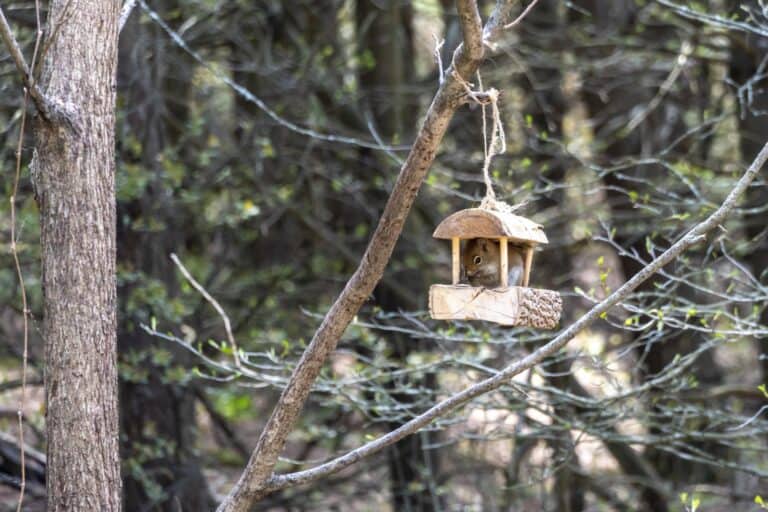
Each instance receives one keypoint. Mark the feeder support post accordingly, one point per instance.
(504, 263)
(527, 266)
(455, 259)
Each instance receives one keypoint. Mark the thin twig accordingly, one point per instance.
(685, 52)
(252, 98)
(20, 276)
(227, 324)
(6, 34)
(438, 58)
(11, 43)
(14, 384)
(13, 48)
(125, 13)
(522, 15)
(711, 19)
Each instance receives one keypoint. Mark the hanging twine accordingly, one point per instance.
(497, 144)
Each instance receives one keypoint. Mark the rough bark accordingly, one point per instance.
(73, 173)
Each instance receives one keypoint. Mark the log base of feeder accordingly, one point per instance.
(512, 306)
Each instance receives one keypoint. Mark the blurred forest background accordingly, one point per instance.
(627, 120)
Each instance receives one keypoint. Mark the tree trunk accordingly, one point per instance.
(74, 169)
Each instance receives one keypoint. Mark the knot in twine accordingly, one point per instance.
(497, 144)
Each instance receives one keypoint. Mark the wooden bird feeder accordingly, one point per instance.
(505, 305)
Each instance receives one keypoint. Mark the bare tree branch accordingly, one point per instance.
(693, 236)
(471, 28)
(450, 96)
(213, 302)
(32, 463)
(13, 47)
(14, 247)
(13, 384)
(21, 65)
(522, 14)
(125, 13)
(711, 19)
(252, 98)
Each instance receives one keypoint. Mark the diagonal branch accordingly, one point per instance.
(250, 97)
(695, 235)
(6, 34)
(252, 484)
(522, 15)
(471, 28)
(125, 13)
(716, 21)
(213, 302)
(13, 46)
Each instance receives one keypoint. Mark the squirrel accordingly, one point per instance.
(481, 263)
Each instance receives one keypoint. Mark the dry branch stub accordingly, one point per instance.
(505, 305)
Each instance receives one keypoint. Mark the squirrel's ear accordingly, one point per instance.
(484, 244)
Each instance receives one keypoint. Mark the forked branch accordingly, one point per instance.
(27, 78)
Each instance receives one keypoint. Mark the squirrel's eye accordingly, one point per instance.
(478, 260)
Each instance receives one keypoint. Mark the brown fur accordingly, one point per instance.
(481, 263)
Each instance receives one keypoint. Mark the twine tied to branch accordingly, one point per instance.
(497, 144)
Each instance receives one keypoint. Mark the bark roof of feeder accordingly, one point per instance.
(481, 223)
